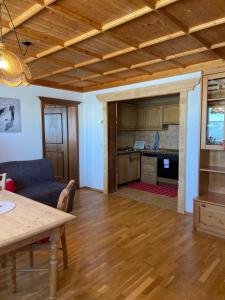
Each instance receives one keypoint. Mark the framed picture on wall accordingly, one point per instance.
(10, 115)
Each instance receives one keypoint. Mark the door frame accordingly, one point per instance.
(182, 88)
(73, 138)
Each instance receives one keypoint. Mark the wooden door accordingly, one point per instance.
(171, 114)
(153, 117)
(123, 168)
(134, 166)
(56, 140)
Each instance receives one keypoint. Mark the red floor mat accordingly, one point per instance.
(155, 189)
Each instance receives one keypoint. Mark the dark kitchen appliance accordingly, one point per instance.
(167, 165)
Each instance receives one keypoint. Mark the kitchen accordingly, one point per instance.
(148, 148)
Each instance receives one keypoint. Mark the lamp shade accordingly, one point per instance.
(13, 71)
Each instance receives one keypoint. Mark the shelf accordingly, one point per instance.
(213, 169)
(210, 197)
(216, 99)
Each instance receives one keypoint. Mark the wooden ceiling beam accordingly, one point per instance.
(129, 17)
(86, 78)
(39, 36)
(163, 3)
(105, 27)
(186, 30)
(115, 71)
(122, 39)
(84, 51)
(183, 31)
(118, 53)
(27, 14)
(146, 63)
(57, 86)
(161, 74)
(86, 63)
(70, 14)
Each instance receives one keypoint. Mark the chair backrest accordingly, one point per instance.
(3, 181)
(64, 196)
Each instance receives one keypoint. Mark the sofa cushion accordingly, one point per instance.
(25, 173)
(46, 193)
(10, 185)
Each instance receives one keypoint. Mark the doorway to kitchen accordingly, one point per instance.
(109, 100)
(147, 150)
(60, 137)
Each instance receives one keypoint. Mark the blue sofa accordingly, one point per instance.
(35, 179)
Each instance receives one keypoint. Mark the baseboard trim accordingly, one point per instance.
(91, 189)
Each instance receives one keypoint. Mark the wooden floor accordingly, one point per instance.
(148, 198)
(123, 249)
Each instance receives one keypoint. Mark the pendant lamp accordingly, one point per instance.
(13, 71)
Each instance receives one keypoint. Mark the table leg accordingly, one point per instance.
(3, 261)
(53, 264)
(12, 263)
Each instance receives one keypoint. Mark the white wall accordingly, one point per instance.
(27, 144)
(93, 134)
(193, 145)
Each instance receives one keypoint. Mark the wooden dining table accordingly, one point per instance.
(29, 222)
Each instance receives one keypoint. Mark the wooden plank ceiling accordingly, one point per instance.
(86, 45)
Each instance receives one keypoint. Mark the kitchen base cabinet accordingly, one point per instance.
(128, 168)
(123, 169)
(209, 217)
(149, 169)
(134, 166)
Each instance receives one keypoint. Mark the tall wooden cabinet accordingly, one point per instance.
(209, 206)
(213, 108)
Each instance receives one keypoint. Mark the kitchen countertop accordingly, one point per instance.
(162, 151)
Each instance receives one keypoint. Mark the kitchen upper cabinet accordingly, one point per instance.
(127, 116)
(153, 117)
(134, 166)
(123, 168)
(171, 114)
(146, 117)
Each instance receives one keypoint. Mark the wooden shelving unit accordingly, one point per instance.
(209, 206)
(216, 99)
(213, 169)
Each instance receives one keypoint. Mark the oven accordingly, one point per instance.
(167, 165)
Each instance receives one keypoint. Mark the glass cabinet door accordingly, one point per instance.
(216, 89)
(215, 123)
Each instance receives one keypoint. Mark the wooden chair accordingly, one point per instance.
(3, 181)
(2, 187)
(45, 243)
